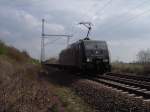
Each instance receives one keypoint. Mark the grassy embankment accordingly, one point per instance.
(22, 89)
(139, 69)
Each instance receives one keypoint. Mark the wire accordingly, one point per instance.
(51, 42)
(101, 11)
(134, 8)
(129, 19)
(105, 5)
(141, 14)
(140, 4)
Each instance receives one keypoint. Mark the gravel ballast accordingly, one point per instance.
(100, 97)
(108, 99)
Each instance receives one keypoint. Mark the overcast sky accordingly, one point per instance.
(124, 24)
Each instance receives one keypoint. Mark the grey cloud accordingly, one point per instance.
(21, 24)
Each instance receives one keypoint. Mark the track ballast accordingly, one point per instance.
(127, 83)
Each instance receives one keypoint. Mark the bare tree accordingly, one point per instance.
(143, 56)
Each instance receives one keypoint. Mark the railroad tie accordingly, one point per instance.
(146, 104)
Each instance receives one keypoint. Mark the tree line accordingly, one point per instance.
(143, 56)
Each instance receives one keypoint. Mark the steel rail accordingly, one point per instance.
(124, 87)
(142, 85)
(135, 77)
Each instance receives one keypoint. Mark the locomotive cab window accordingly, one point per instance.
(95, 48)
(95, 45)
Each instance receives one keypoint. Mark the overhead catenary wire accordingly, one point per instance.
(53, 41)
(106, 5)
(132, 9)
(129, 19)
(102, 8)
(138, 15)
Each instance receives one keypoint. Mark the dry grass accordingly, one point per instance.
(13, 53)
(19, 87)
(139, 69)
(24, 90)
(71, 102)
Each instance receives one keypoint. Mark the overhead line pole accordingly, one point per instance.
(43, 36)
(42, 42)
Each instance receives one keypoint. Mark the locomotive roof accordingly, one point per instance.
(77, 42)
(80, 41)
(94, 41)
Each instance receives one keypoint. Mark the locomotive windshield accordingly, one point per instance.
(95, 48)
(95, 45)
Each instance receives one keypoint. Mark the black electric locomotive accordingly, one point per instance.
(87, 55)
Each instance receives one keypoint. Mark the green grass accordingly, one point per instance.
(3, 48)
(71, 102)
(34, 61)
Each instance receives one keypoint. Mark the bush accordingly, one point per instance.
(129, 68)
(146, 69)
(52, 60)
(34, 61)
(3, 49)
(15, 54)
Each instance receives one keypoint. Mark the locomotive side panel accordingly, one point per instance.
(78, 56)
(70, 56)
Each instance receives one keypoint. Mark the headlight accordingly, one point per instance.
(105, 60)
(88, 60)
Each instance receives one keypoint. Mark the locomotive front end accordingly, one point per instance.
(96, 56)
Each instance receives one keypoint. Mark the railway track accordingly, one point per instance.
(129, 76)
(132, 85)
(138, 85)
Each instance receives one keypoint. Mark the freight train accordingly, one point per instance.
(86, 55)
